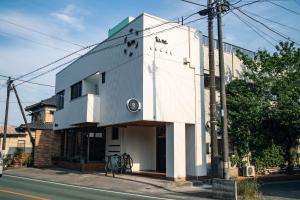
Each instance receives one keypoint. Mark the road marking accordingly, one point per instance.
(23, 194)
(88, 188)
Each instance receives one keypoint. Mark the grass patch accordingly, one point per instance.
(249, 190)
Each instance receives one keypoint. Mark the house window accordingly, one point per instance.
(21, 144)
(76, 90)
(60, 100)
(115, 134)
(103, 77)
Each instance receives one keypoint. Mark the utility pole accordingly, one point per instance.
(225, 145)
(25, 120)
(9, 82)
(212, 89)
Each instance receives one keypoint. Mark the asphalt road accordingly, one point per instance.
(281, 190)
(13, 188)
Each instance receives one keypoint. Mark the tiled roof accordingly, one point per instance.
(46, 102)
(11, 131)
(36, 126)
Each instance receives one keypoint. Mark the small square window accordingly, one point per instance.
(103, 77)
(115, 134)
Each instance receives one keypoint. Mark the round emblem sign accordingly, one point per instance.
(133, 105)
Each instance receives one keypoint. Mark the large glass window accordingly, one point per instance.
(76, 90)
(60, 100)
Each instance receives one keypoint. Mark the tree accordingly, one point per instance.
(264, 105)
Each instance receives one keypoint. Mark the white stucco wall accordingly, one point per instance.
(138, 142)
(169, 87)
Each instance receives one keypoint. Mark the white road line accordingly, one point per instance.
(87, 188)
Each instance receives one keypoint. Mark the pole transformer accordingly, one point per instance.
(224, 120)
(212, 90)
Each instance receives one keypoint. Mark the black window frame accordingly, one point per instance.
(60, 100)
(103, 76)
(115, 133)
(76, 90)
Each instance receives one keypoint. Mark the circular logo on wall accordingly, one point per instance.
(133, 105)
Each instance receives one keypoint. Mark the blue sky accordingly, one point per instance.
(87, 21)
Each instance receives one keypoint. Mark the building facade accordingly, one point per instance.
(47, 143)
(142, 92)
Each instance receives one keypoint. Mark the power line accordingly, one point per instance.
(275, 22)
(191, 2)
(93, 45)
(253, 28)
(283, 7)
(35, 83)
(267, 27)
(90, 46)
(39, 32)
(105, 48)
(33, 41)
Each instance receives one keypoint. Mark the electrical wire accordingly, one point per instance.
(191, 2)
(283, 7)
(33, 41)
(253, 28)
(39, 32)
(105, 48)
(267, 27)
(91, 46)
(275, 22)
(35, 83)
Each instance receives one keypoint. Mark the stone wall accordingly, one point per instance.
(47, 144)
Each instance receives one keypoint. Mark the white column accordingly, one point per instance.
(175, 151)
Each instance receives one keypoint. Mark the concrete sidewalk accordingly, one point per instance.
(122, 183)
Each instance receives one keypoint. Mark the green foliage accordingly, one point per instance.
(270, 157)
(18, 153)
(264, 104)
(29, 161)
(237, 160)
(248, 190)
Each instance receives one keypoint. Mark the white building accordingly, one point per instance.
(161, 66)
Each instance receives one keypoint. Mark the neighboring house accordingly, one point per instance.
(143, 93)
(15, 139)
(47, 144)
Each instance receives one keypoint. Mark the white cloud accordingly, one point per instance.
(72, 16)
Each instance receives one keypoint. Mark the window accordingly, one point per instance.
(115, 134)
(76, 90)
(60, 100)
(21, 144)
(103, 77)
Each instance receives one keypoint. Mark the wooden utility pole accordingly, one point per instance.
(9, 82)
(24, 118)
(212, 90)
(225, 145)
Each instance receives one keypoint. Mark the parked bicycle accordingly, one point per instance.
(112, 164)
(118, 164)
(127, 163)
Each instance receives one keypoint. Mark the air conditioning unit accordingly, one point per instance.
(249, 171)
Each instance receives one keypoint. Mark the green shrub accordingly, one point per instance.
(18, 152)
(29, 161)
(248, 190)
(270, 157)
(237, 160)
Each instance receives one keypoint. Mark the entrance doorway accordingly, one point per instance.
(161, 149)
